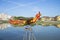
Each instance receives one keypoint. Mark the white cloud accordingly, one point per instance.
(19, 5)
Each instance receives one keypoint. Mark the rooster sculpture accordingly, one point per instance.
(27, 22)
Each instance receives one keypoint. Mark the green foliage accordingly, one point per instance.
(25, 18)
(3, 21)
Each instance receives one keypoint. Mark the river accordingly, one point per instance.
(36, 32)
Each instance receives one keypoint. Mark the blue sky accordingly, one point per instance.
(29, 8)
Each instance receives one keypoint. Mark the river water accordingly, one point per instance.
(36, 32)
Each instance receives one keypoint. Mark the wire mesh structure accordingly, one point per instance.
(29, 35)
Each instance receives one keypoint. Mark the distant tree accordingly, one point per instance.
(21, 17)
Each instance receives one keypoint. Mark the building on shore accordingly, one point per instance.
(46, 18)
(57, 18)
(4, 16)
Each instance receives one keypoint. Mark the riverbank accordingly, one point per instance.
(48, 22)
(44, 23)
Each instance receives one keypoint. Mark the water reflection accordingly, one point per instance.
(49, 24)
(44, 32)
(58, 25)
(28, 32)
(5, 25)
(29, 35)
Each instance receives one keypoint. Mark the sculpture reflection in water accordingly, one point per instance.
(29, 35)
(6, 25)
